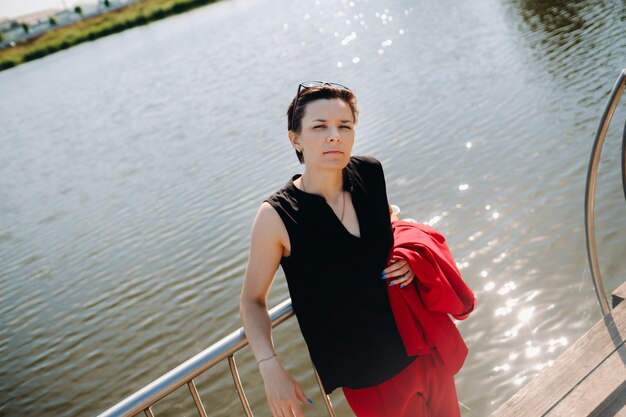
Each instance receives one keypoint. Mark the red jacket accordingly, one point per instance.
(421, 308)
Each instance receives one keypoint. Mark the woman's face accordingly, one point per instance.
(327, 133)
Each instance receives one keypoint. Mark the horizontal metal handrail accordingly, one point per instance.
(187, 371)
(590, 190)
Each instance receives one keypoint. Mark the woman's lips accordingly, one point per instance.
(333, 152)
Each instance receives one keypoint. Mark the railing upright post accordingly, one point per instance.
(329, 404)
(196, 398)
(242, 395)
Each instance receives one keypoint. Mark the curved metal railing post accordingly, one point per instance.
(590, 190)
(624, 160)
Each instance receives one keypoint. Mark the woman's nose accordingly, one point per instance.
(333, 134)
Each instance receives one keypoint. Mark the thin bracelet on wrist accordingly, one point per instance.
(266, 359)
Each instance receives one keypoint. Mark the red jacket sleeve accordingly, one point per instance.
(438, 280)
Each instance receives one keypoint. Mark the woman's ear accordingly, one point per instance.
(293, 138)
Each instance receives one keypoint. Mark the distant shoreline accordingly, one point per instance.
(127, 17)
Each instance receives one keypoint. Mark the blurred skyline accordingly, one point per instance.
(15, 8)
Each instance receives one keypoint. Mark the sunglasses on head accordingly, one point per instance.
(308, 84)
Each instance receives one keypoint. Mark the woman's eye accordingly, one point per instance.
(316, 127)
(346, 127)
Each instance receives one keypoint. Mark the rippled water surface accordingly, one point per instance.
(131, 169)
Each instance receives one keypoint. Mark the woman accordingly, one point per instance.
(330, 230)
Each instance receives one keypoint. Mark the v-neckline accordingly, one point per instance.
(349, 189)
(343, 226)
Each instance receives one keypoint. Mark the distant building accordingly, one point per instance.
(10, 31)
(65, 17)
(37, 18)
(5, 24)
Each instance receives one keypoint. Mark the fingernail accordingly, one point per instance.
(309, 400)
(392, 283)
(401, 285)
(384, 273)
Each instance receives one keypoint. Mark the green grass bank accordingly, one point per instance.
(140, 13)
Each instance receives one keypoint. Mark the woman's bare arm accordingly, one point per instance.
(266, 250)
(264, 257)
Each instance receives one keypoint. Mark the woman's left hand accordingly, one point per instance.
(398, 272)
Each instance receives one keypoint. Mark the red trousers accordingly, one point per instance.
(422, 389)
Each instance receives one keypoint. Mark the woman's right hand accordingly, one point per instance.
(282, 390)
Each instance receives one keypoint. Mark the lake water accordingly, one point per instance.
(131, 169)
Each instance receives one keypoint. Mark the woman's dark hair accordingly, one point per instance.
(310, 94)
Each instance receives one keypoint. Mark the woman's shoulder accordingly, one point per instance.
(366, 165)
(286, 192)
(266, 213)
(364, 160)
(284, 201)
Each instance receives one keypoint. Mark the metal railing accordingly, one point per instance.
(590, 191)
(145, 398)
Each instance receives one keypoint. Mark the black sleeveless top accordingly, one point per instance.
(334, 280)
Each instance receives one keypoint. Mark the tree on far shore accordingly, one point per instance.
(52, 20)
(78, 10)
(25, 27)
